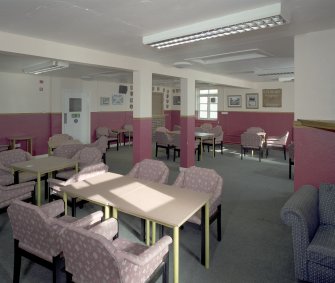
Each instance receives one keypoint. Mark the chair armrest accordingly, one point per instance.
(54, 208)
(89, 220)
(18, 186)
(107, 229)
(56, 182)
(149, 254)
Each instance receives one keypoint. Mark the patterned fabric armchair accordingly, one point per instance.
(163, 140)
(85, 157)
(128, 134)
(218, 138)
(310, 213)
(101, 144)
(252, 141)
(208, 181)
(9, 157)
(277, 142)
(255, 130)
(67, 150)
(90, 171)
(98, 258)
(290, 149)
(150, 170)
(57, 140)
(207, 127)
(36, 232)
(21, 191)
(176, 146)
(111, 136)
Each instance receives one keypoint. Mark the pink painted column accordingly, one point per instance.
(187, 156)
(142, 121)
(314, 157)
(187, 122)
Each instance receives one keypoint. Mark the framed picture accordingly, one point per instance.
(234, 100)
(104, 100)
(176, 100)
(251, 100)
(117, 99)
(272, 97)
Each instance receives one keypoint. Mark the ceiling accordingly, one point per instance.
(118, 26)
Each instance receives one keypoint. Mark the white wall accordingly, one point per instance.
(315, 75)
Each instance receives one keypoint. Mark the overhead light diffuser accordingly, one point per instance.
(49, 66)
(254, 19)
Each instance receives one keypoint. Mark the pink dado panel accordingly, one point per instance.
(235, 123)
(36, 125)
(314, 157)
(142, 144)
(112, 120)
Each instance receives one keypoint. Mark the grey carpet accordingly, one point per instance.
(255, 247)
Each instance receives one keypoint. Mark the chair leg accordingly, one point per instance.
(56, 266)
(284, 148)
(68, 277)
(259, 154)
(218, 223)
(74, 206)
(17, 262)
(33, 199)
(156, 149)
(221, 147)
(142, 236)
(242, 150)
(104, 158)
(174, 155)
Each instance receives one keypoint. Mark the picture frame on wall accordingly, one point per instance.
(234, 100)
(117, 99)
(104, 100)
(272, 97)
(251, 100)
(176, 100)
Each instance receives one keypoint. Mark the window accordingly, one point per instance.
(208, 104)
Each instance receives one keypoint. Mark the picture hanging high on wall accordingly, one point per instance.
(117, 99)
(272, 97)
(234, 100)
(251, 100)
(104, 100)
(176, 100)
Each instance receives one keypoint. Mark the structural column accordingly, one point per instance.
(142, 115)
(187, 122)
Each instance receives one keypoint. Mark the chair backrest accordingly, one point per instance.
(284, 138)
(255, 130)
(150, 170)
(9, 157)
(58, 139)
(90, 257)
(162, 137)
(67, 150)
(34, 230)
(175, 140)
(206, 126)
(201, 180)
(102, 131)
(88, 156)
(101, 143)
(218, 133)
(251, 140)
(177, 128)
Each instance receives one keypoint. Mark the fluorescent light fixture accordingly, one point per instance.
(229, 56)
(49, 66)
(254, 19)
(286, 79)
(289, 71)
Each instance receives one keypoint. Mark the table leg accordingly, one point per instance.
(205, 235)
(114, 213)
(39, 199)
(65, 202)
(176, 254)
(147, 233)
(213, 146)
(107, 212)
(153, 232)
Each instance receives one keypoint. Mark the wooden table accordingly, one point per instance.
(27, 139)
(202, 136)
(157, 203)
(41, 166)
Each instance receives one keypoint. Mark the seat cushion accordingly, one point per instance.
(6, 179)
(326, 204)
(322, 248)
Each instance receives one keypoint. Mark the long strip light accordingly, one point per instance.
(255, 19)
(49, 66)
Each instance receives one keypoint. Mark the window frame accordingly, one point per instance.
(210, 93)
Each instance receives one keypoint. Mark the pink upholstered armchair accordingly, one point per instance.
(163, 139)
(208, 181)
(151, 170)
(252, 141)
(57, 140)
(85, 157)
(67, 150)
(23, 191)
(99, 258)
(36, 233)
(277, 142)
(176, 146)
(109, 134)
(101, 144)
(218, 138)
(9, 157)
(87, 172)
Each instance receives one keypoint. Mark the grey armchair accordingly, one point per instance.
(23, 191)
(99, 257)
(311, 214)
(163, 139)
(36, 233)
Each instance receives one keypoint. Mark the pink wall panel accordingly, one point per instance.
(314, 157)
(187, 139)
(36, 125)
(55, 123)
(172, 117)
(113, 120)
(142, 145)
